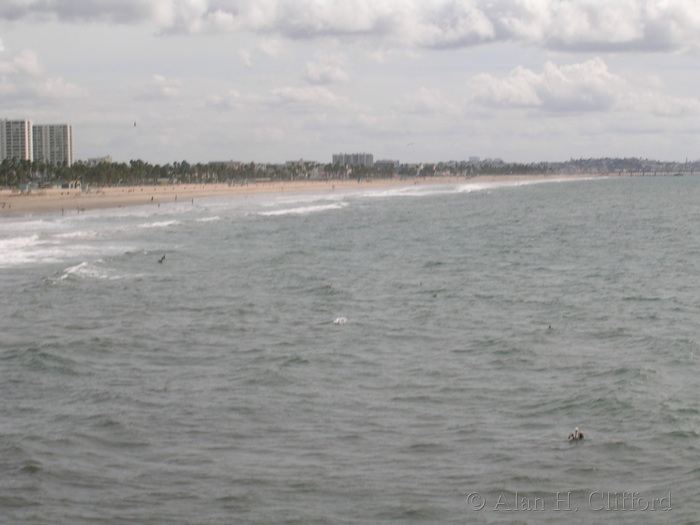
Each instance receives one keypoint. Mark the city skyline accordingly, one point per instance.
(22, 139)
(420, 81)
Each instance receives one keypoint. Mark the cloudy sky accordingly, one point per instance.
(413, 80)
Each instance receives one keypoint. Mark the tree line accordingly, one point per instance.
(16, 173)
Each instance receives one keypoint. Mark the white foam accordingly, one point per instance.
(91, 270)
(85, 234)
(18, 250)
(15, 243)
(411, 191)
(83, 270)
(480, 186)
(160, 224)
(304, 210)
(23, 225)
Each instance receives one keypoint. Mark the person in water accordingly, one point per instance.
(576, 435)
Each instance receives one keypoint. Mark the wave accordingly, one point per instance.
(19, 242)
(423, 190)
(26, 249)
(410, 191)
(23, 224)
(85, 234)
(304, 210)
(160, 224)
(87, 270)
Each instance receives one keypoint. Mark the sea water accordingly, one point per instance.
(411, 355)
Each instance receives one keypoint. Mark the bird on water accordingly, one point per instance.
(576, 435)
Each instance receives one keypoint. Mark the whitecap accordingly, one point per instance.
(85, 234)
(87, 270)
(304, 210)
(411, 191)
(21, 250)
(15, 243)
(159, 224)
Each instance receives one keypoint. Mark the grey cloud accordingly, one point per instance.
(563, 25)
(124, 11)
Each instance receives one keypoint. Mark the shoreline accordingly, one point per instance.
(64, 201)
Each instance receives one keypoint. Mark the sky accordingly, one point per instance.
(409, 80)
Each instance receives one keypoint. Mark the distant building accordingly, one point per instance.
(16, 139)
(302, 169)
(229, 164)
(53, 143)
(387, 163)
(94, 161)
(354, 159)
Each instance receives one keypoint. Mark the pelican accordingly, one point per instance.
(576, 435)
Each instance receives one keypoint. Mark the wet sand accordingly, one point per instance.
(65, 201)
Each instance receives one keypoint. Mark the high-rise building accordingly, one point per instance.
(16, 139)
(354, 159)
(53, 143)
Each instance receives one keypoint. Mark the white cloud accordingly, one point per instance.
(124, 11)
(309, 96)
(24, 63)
(659, 104)
(427, 100)
(231, 100)
(59, 88)
(268, 134)
(590, 24)
(356, 73)
(23, 78)
(270, 47)
(452, 24)
(246, 57)
(587, 86)
(326, 69)
(161, 88)
(569, 25)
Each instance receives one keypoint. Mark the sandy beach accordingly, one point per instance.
(70, 201)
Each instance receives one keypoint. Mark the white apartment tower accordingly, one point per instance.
(16, 140)
(53, 143)
(354, 159)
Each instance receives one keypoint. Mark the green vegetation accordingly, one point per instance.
(16, 173)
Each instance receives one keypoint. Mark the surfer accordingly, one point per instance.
(576, 435)
(163, 258)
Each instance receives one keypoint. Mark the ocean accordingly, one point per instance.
(412, 355)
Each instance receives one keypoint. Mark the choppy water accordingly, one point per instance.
(216, 388)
